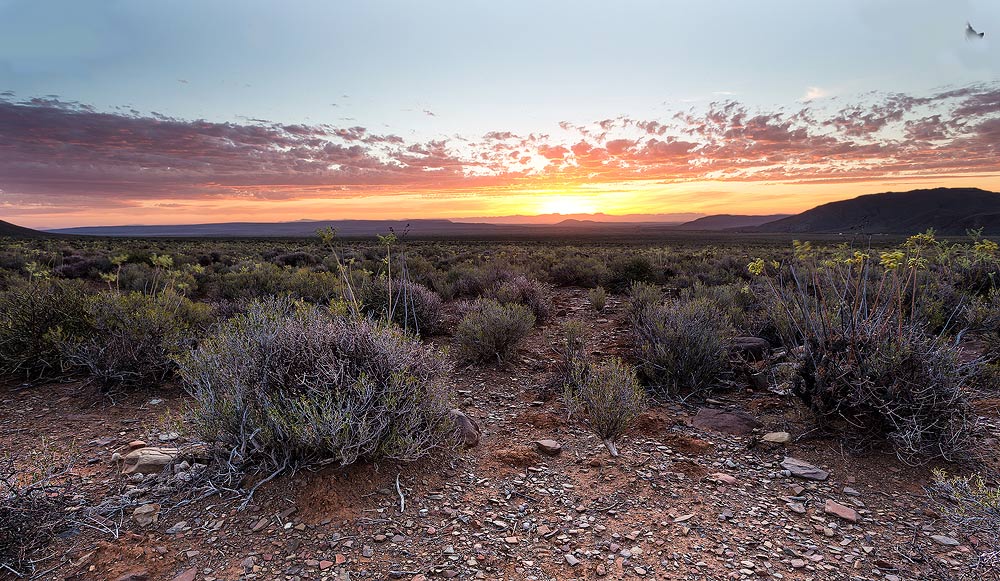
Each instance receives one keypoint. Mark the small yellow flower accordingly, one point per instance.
(891, 260)
(756, 267)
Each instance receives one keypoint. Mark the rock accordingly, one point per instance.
(777, 437)
(168, 436)
(803, 469)
(548, 447)
(468, 429)
(188, 575)
(736, 423)
(139, 575)
(798, 563)
(180, 526)
(147, 514)
(148, 460)
(136, 444)
(723, 478)
(945, 540)
(845, 512)
(796, 507)
(750, 348)
(571, 560)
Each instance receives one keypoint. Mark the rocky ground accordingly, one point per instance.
(696, 493)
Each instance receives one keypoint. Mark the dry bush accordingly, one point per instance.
(131, 339)
(413, 307)
(598, 298)
(491, 331)
(572, 367)
(641, 296)
(868, 368)
(287, 384)
(681, 346)
(33, 509)
(974, 506)
(525, 291)
(34, 315)
(611, 397)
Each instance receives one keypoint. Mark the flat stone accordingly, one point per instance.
(803, 469)
(777, 437)
(845, 512)
(723, 478)
(571, 560)
(148, 460)
(147, 514)
(945, 540)
(188, 575)
(549, 447)
(736, 423)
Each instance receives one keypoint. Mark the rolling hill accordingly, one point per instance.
(949, 211)
(729, 221)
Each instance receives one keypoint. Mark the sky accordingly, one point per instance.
(165, 112)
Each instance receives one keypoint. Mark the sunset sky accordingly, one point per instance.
(157, 112)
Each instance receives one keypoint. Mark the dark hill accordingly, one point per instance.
(949, 211)
(728, 221)
(14, 231)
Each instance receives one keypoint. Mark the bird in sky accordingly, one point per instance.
(971, 32)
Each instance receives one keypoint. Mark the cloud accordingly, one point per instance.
(67, 154)
(813, 93)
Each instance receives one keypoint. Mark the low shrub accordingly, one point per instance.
(524, 291)
(641, 296)
(578, 270)
(287, 385)
(611, 397)
(131, 339)
(33, 509)
(867, 368)
(974, 507)
(598, 298)
(491, 330)
(414, 306)
(572, 367)
(681, 346)
(35, 315)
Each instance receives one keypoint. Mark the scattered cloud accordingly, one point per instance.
(813, 93)
(63, 154)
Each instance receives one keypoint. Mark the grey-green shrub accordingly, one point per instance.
(491, 331)
(598, 298)
(288, 384)
(35, 315)
(612, 399)
(131, 339)
(681, 346)
(414, 306)
(525, 291)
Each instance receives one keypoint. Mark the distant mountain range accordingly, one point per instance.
(949, 211)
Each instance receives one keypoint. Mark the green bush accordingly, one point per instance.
(681, 346)
(491, 330)
(524, 291)
(286, 385)
(131, 339)
(35, 315)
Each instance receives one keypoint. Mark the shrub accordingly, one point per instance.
(598, 298)
(492, 331)
(133, 338)
(612, 398)
(641, 296)
(682, 346)
(974, 506)
(577, 270)
(414, 306)
(35, 315)
(287, 385)
(525, 291)
(867, 368)
(32, 511)
(572, 367)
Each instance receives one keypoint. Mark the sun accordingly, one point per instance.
(566, 205)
